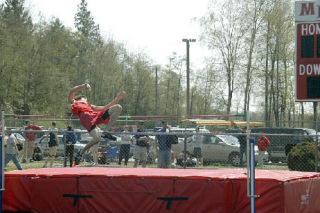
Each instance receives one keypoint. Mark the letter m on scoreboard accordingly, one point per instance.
(307, 15)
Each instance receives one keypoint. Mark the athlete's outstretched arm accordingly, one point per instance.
(120, 96)
(77, 89)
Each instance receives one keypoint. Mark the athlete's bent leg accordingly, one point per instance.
(114, 113)
(96, 138)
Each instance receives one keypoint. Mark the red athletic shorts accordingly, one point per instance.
(88, 119)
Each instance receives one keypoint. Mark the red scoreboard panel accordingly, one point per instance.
(308, 61)
(307, 19)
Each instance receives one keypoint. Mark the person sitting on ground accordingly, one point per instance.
(91, 116)
(37, 153)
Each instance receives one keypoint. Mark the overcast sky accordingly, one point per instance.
(155, 27)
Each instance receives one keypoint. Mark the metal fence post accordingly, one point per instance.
(2, 159)
(317, 151)
(252, 178)
(64, 138)
(185, 152)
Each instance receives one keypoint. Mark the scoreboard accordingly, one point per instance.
(307, 18)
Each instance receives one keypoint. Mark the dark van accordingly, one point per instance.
(284, 139)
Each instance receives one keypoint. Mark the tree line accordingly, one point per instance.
(252, 64)
(254, 46)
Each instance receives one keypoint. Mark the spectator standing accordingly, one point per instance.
(12, 150)
(197, 150)
(140, 149)
(53, 143)
(263, 144)
(164, 157)
(70, 139)
(30, 142)
(243, 144)
(125, 147)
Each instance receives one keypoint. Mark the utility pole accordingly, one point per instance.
(156, 98)
(188, 73)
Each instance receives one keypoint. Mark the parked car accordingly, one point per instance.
(43, 141)
(216, 148)
(19, 137)
(232, 131)
(280, 146)
(182, 130)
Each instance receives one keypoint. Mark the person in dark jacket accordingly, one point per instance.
(243, 145)
(53, 144)
(140, 150)
(70, 139)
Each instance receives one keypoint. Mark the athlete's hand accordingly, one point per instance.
(121, 95)
(87, 86)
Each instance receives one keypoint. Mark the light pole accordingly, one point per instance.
(156, 98)
(188, 73)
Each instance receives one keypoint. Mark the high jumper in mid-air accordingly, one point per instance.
(91, 116)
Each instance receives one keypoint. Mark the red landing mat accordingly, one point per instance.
(122, 190)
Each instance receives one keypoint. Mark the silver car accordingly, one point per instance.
(43, 144)
(216, 148)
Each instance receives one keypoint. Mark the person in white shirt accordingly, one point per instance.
(12, 150)
(125, 147)
(197, 148)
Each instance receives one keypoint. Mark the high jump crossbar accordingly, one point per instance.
(133, 116)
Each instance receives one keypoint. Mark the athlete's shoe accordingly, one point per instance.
(78, 158)
(108, 136)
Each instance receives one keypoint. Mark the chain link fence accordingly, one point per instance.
(289, 149)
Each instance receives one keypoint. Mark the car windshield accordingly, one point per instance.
(229, 139)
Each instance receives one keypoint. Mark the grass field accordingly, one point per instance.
(59, 164)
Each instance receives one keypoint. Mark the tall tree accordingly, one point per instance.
(55, 53)
(85, 24)
(223, 31)
(253, 14)
(17, 52)
(280, 30)
(89, 40)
